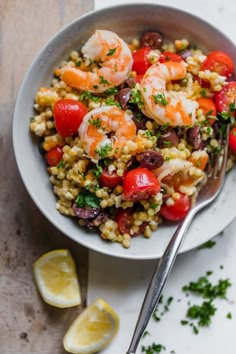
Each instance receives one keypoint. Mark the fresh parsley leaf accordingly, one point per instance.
(111, 102)
(103, 81)
(61, 164)
(97, 171)
(86, 199)
(229, 315)
(111, 91)
(111, 51)
(104, 151)
(208, 244)
(78, 63)
(160, 98)
(136, 98)
(96, 122)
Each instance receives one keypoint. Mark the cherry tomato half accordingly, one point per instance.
(225, 97)
(109, 180)
(207, 105)
(54, 156)
(68, 115)
(178, 210)
(140, 184)
(124, 219)
(169, 56)
(232, 140)
(219, 62)
(140, 60)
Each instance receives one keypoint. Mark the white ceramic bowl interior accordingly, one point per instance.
(128, 21)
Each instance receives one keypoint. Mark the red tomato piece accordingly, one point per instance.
(140, 60)
(124, 219)
(225, 97)
(140, 184)
(68, 115)
(169, 56)
(54, 156)
(109, 180)
(219, 62)
(178, 210)
(232, 140)
(207, 105)
(138, 78)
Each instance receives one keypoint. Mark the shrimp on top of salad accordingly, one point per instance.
(114, 62)
(128, 131)
(162, 105)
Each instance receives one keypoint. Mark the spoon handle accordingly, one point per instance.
(158, 281)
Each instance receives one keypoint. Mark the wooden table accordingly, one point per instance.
(27, 324)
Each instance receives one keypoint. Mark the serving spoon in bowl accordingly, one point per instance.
(207, 194)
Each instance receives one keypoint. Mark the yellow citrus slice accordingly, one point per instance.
(56, 279)
(92, 330)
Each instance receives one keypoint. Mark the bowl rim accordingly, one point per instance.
(30, 190)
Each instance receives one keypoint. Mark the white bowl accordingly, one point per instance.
(128, 21)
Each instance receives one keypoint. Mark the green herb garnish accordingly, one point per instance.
(104, 151)
(154, 348)
(111, 51)
(103, 81)
(96, 122)
(160, 98)
(111, 102)
(208, 244)
(87, 198)
(111, 91)
(78, 63)
(136, 98)
(61, 164)
(97, 171)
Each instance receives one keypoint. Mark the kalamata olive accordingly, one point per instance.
(124, 96)
(88, 213)
(194, 137)
(139, 119)
(131, 82)
(150, 159)
(151, 39)
(97, 221)
(168, 138)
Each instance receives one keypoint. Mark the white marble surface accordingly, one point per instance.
(123, 283)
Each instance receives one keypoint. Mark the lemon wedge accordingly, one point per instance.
(92, 330)
(56, 279)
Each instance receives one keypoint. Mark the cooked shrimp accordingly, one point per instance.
(176, 173)
(166, 106)
(105, 131)
(114, 62)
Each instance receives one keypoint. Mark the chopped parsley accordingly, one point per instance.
(202, 314)
(61, 164)
(154, 348)
(86, 199)
(97, 171)
(78, 63)
(95, 87)
(145, 333)
(208, 244)
(103, 81)
(111, 102)
(167, 143)
(111, 51)
(82, 175)
(203, 93)
(96, 122)
(229, 316)
(87, 95)
(154, 206)
(104, 151)
(136, 98)
(158, 312)
(31, 119)
(111, 91)
(160, 98)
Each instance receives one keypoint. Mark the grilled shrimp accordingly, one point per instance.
(114, 62)
(166, 106)
(105, 131)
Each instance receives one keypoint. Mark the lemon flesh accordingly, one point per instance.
(92, 330)
(56, 279)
